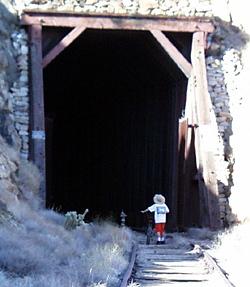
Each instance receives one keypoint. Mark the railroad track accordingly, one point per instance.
(162, 265)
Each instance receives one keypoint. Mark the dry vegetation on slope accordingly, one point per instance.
(39, 251)
(36, 247)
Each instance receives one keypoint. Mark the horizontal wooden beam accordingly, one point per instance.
(64, 43)
(115, 22)
(173, 52)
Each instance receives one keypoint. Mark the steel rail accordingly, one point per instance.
(210, 261)
(128, 273)
(213, 264)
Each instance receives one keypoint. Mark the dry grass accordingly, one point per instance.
(38, 251)
(229, 247)
(232, 250)
(29, 177)
(41, 252)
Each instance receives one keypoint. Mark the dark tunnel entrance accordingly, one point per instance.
(112, 104)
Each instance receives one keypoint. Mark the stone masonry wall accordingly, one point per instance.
(188, 8)
(14, 114)
(8, 73)
(19, 90)
(223, 63)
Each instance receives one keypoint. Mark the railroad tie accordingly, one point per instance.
(160, 265)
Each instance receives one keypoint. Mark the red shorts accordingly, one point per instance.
(159, 227)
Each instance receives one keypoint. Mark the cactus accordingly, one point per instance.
(72, 219)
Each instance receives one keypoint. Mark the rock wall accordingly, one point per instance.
(223, 65)
(8, 73)
(223, 59)
(188, 8)
(19, 90)
(14, 116)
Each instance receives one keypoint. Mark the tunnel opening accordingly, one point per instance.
(112, 100)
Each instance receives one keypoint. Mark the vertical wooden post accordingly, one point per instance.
(174, 154)
(205, 135)
(37, 126)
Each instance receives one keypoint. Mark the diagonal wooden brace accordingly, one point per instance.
(64, 43)
(173, 52)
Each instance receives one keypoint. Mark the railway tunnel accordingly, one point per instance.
(119, 112)
(113, 100)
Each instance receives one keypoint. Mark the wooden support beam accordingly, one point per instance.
(37, 149)
(64, 43)
(114, 22)
(173, 52)
(205, 135)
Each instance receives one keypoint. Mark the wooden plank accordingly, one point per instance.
(173, 270)
(191, 277)
(37, 150)
(114, 22)
(164, 251)
(168, 264)
(188, 271)
(164, 283)
(204, 148)
(170, 270)
(173, 52)
(64, 43)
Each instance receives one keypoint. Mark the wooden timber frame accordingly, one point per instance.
(198, 100)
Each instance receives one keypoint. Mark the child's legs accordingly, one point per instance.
(163, 230)
(159, 229)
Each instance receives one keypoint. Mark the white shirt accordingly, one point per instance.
(160, 211)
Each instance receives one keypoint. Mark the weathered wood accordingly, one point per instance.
(167, 264)
(37, 150)
(64, 43)
(205, 138)
(114, 22)
(183, 268)
(170, 258)
(179, 283)
(163, 251)
(173, 52)
(190, 277)
(173, 270)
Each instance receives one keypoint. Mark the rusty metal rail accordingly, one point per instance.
(160, 265)
(128, 273)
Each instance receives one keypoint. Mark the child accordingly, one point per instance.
(160, 209)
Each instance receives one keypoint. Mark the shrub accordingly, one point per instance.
(72, 219)
(40, 252)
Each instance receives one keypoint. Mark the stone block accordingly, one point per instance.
(91, 2)
(226, 115)
(23, 133)
(157, 11)
(148, 4)
(221, 119)
(127, 3)
(24, 50)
